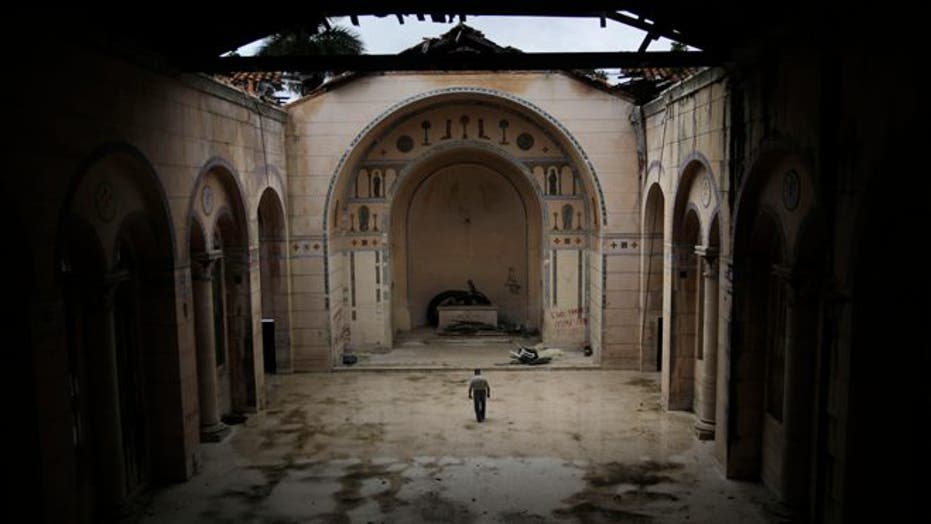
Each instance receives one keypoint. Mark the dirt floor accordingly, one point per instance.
(403, 446)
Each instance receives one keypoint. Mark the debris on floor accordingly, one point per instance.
(535, 356)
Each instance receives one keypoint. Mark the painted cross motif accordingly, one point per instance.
(567, 216)
(449, 130)
(481, 129)
(363, 218)
(426, 132)
(553, 182)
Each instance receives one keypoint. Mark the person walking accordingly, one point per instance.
(479, 390)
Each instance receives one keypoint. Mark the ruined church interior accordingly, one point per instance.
(226, 308)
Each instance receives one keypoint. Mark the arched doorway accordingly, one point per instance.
(653, 266)
(273, 269)
(686, 335)
(116, 257)
(466, 215)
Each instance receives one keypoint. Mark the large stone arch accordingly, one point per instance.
(218, 173)
(114, 158)
(652, 274)
(274, 274)
(115, 253)
(540, 156)
(765, 183)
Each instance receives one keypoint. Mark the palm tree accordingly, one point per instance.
(332, 40)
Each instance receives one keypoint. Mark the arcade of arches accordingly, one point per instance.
(183, 248)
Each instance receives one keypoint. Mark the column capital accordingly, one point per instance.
(108, 285)
(802, 280)
(710, 253)
(710, 256)
(800, 284)
(203, 264)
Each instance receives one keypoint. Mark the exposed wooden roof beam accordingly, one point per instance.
(653, 29)
(484, 62)
(650, 37)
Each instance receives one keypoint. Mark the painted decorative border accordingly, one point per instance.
(464, 90)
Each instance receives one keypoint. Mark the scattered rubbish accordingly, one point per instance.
(349, 360)
(534, 356)
(524, 355)
(550, 353)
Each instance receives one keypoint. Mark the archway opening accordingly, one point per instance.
(653, 266)
(273, 251)
(686, 315)
(461, 216)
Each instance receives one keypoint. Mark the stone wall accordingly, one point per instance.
(105, 141)
(368, 129)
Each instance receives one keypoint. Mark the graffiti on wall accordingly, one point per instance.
(571, 318)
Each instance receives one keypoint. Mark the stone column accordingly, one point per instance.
(211, 428)
(704, 427)
(108, 437)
